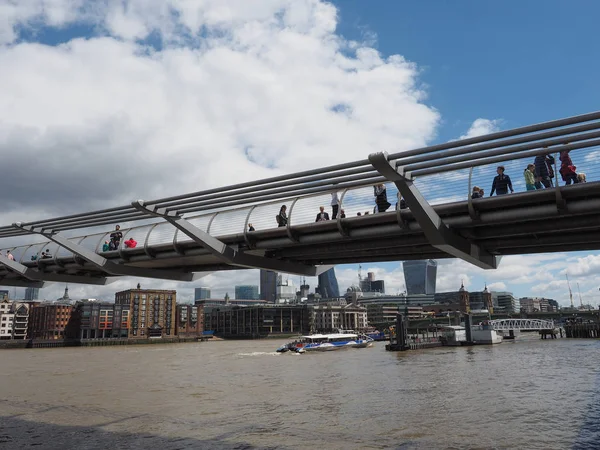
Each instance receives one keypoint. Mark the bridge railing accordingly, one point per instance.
(522, 324)
(443, 173)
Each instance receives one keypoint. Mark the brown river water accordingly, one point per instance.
(528, 394)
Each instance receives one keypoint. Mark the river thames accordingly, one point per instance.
(530, 394)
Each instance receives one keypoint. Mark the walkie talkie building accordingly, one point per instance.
(420, 276)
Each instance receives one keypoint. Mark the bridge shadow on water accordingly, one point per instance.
(17, 433)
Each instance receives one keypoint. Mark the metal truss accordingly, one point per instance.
(436, 231)
(226, 253)
(39, 276)
(104, 264)
(522, 324)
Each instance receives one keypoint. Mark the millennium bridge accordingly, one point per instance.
(432, 215)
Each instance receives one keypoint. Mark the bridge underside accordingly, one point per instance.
(523, 223)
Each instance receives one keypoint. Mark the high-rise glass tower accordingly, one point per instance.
(268, 285)
(201, 293)
(420, 276)
(246, 292)
(32, 293)
(328, 284)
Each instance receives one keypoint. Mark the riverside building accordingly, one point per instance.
(152, 312)
(100, 320)
(50, 321)
(258, 321)
(190, 321)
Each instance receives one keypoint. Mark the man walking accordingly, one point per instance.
(501, 183)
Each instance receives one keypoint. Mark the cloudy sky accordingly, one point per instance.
(105, 102)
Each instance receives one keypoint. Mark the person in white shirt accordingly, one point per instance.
(335, 204)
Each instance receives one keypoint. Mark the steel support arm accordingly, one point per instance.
(36, 275)
(436, 231)
(224, 252)
(20, 282)
(107, 266)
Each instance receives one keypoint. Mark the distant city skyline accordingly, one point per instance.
(403, 93)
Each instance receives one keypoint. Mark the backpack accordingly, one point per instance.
(278, 219)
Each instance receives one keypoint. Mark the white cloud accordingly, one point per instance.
(481, 127)
(238, 92)
(497, 286)
(587, 265)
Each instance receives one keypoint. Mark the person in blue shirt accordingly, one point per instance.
(501, 183)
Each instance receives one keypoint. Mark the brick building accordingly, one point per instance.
(152, 312)
(190, 320)
(50, 321)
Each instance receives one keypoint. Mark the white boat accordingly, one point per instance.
(327, 342)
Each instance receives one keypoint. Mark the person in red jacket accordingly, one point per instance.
(567, 169)
(130, 243)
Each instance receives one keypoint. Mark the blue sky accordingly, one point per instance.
(506, 63)
(516, 62)
(523, 62)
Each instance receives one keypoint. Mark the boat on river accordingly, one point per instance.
(327, 342)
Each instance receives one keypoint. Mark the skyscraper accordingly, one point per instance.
(32, 293)
(246, 292)
(268, 285)
(328, 284)
(201, 293)
(420, 276)
(370, 284)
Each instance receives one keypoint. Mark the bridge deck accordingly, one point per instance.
(527, 222)
(441, 220)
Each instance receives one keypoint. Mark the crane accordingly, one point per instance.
(580, 300)
(570, 293)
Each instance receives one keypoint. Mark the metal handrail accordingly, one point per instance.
(331, 175)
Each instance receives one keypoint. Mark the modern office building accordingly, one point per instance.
(100, 320)
(506, 302)
(420, 276)
(328, 284)
(285, 291)
(258, 321)
(7, 318)
(268, 285)
(381, 315)
(152, 312)
(201, 293)
(531, 305)
(370, 284)
(247, 292)
(32, 293)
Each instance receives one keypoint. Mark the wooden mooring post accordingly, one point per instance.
(582, 330)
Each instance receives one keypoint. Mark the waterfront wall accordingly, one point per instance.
(39, 343)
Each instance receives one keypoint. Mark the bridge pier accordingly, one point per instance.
(399, 342)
